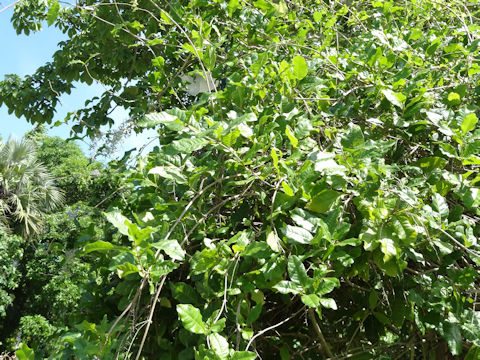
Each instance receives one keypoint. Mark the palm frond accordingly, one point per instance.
(27, 190)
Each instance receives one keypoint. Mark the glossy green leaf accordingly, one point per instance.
(452, 334)
(127, 269)
(186, 145)
(254, 313)
(395, 98)
(311, 300)
(172, 248)
(427, 164)
(274, 241)
(119, 221)
(191, 318)
(372, 299)
(288, 287)
(220, 345)
(353, 138)
(440, 205)
(473, 353)
(388, 248)
(295, 234)
(328, 303)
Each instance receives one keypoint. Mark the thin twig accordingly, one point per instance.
(150, 316)
(316, 327)
(261, 332)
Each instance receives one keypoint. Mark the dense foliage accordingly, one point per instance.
(43, 278)
(320, 200)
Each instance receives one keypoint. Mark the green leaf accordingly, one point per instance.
(162, 267)
(328, 303)
(119, 221)
(191, 318)
(473, 353)
(218, 326)
(258, 250)
(254, 313)
(353, 138)
(287, 189)
(52, 13)
(444, 247)
(324, 162)
(210, 58)
(382, 318)
(127, 269)
(220, 345)
(274, 241)
(300, 67)
(243, 355)
(311, 300)
(327, 285)
(469, 122)
(453, 98)
(168, 172)
(297, 271)
(295, 234)
(291, 137)
(158, 62)
(172, 248)
(428, 164)
(25, 353)
(440, 205)
(171, 121)
(451, 333)
(187, 146)
(274, 156)
(395, 98)
(388, 248)
(322, 202)
(101, 245)
(232, 6)
(288, 287)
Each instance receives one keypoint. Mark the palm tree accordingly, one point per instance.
(27, 191)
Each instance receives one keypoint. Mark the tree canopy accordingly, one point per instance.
(318, 200)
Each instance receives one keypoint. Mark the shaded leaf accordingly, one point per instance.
(322, 201)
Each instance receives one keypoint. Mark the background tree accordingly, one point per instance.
(45, 277)
(27, 190)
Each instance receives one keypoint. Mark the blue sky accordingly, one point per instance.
(22, 55)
